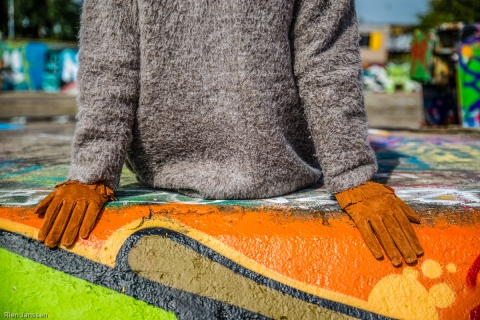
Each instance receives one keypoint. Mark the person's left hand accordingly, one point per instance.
(380, 215)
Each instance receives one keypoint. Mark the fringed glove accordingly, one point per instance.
(71, 207)
(379, 214)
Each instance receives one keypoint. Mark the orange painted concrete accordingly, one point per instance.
(328, 252)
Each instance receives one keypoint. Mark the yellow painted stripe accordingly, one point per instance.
(113, 244)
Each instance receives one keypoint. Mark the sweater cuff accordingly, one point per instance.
(351, 178)
(86, 175)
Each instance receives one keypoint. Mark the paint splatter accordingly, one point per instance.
(408, 298)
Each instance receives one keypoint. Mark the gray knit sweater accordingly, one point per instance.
(222, 99)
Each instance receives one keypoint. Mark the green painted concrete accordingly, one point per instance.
(29, 287)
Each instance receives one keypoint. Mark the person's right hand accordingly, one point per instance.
(70, 208)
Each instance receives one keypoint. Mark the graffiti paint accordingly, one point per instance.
(30, 287)
(421, 59)
(38, 66)
(473, 273)
(386, 79)
(433, 63)
(272, 243)
(399, 74)
(408, 290)
(439, 104)
(475, 313)
(469, 79)
(9, 126)
(22, 65)
(286, 256)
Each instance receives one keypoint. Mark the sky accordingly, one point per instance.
(390, 11)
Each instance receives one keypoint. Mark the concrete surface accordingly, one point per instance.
(292, 257)
(397, 110)
(36, 105)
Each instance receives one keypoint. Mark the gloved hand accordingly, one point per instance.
(379, 214)
(71, 207)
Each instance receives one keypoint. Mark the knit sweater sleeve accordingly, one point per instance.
(108, 81)
(327, 68)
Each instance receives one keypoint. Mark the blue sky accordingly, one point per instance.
(390, 11)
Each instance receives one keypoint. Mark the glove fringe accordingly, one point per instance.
(362, 192)
(104, 190)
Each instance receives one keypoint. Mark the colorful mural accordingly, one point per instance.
(155, 254)
(49, 67)
(469, 79)
(433, 59)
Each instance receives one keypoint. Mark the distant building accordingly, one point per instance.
(374, 43)
(381, 44)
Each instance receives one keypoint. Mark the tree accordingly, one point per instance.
(43, 19)
(440, 11)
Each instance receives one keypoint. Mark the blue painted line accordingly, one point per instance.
(22, 171)
(10, 126)
(6, 164)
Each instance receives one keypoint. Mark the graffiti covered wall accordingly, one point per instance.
(50, 67)
(156, 254)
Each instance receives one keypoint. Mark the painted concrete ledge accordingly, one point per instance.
(155, 254)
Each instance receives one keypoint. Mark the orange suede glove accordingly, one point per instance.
(379, 214)
(71, 207)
